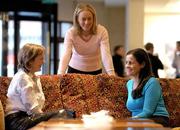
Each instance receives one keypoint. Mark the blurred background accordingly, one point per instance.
(131, 23)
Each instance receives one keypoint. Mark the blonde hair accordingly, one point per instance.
(79, 8)
(27, 54)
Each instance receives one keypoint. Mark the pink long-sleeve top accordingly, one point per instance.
(86, 55)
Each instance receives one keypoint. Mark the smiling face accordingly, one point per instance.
(85, 20)
(37, 63)
(132, 67)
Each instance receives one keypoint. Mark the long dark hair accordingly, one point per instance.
(145, 73)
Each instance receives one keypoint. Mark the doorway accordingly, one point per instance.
(28, 22)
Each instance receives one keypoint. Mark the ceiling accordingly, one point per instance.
(169, 6)
(114, 2)
(150, 5)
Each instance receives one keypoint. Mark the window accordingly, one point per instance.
(0, 45)
(62, 29)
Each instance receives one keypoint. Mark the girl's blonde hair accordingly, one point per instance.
(79, 8)
(27, 54)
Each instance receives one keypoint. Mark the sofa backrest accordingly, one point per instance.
(87, 93)
(52, 92)
(171, 95)
(4, 83)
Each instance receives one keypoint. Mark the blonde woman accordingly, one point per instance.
(25, 96)
(86, 43)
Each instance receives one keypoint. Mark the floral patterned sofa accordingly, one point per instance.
(88, 93)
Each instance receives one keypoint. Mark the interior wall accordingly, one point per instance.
(113, 18)
(65, 10)
(116, 26)
(134, 24)
(163, 29)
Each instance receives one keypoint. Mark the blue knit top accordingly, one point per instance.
(150, 104)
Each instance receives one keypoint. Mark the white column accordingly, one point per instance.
(134, 24)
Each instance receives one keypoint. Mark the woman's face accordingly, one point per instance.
(85, 20)
(132, 67)
(37, 63)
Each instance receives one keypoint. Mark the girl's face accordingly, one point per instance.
(85, 20)
(37, 63)
(132, 67)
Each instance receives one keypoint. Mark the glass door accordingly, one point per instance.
(31, 24)
(62, 28)
(33, 28)
(1, 47)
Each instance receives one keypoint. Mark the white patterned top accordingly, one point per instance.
(25, 94)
